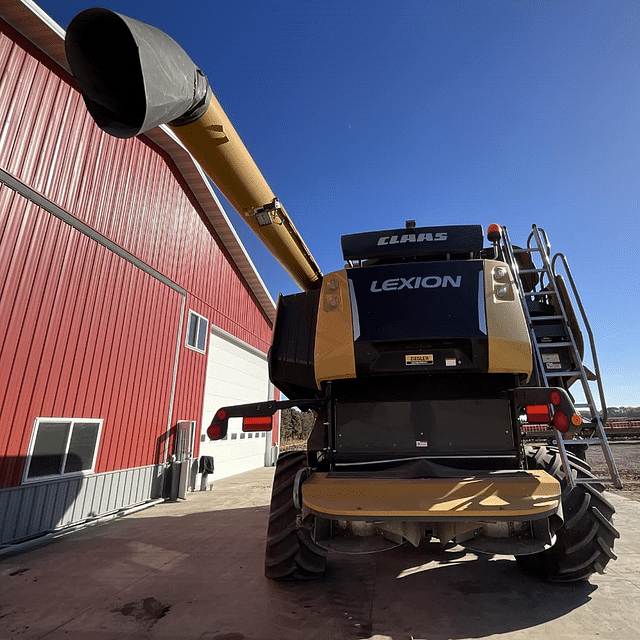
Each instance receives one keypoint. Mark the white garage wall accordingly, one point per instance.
(237, 373)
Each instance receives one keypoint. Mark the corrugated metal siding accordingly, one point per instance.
(234, 311)
(124, 189)
(54, 505)
(192, 366)
(83, 333)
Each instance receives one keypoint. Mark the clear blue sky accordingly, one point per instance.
(364, 114)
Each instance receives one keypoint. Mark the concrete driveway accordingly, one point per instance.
(194, 570)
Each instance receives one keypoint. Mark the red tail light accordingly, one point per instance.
(215, 431)
(555, 398)
(560, 421)
(218, 427)
(262, 423)
(537, 413)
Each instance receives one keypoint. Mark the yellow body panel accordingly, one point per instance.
(515, 496)
(334, 356)
(508, 336)
(215, 144)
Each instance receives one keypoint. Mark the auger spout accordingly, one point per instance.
(134, 77)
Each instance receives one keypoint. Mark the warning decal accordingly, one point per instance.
(551, 361)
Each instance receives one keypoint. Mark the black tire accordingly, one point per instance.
(291, 554)
(584, 543)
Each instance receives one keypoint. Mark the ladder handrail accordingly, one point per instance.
(592, 344)
(543, 247)
(547, 245)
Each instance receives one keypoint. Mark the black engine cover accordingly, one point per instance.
(419, 317)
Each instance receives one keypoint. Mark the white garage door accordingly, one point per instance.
(236, 374)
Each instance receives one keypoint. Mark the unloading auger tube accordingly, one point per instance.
(134, 77)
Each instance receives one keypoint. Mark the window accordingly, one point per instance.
(62, 446)
(197, 332)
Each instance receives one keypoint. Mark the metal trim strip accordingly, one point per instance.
(44, 203)
(482, 314)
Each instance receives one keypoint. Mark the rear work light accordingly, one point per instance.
(262, 423)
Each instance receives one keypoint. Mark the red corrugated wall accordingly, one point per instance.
(84, 332)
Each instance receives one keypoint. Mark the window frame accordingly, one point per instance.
(59, 476)
(200, 317)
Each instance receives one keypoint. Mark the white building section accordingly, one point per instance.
(237, 373)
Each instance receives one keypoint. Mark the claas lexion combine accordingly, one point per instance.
(426, 359)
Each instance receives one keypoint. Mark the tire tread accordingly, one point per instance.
(584, 543)
(290, 554)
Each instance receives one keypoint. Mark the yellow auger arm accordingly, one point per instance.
(134, 77)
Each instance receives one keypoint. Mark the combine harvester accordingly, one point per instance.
(423, 359)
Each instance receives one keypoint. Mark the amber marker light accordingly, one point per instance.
(494, 233)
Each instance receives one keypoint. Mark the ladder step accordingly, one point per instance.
(536, 318)
(532, 270)
(526, 250)
(541, 293)
(592, 480)
(554, 344)
(583, 441)
(562, 374)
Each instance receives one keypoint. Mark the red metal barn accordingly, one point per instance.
(129, 310)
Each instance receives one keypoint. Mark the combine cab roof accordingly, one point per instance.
(413, 242)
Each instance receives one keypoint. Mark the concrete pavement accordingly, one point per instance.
(193, 570)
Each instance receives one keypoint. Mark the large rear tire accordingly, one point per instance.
(291, 554)
(584, 543)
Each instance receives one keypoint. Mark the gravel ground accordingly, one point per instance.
(627, 459)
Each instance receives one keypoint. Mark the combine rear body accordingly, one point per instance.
(424, 360)
(419, 359)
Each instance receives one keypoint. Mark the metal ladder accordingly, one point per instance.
(538, 246)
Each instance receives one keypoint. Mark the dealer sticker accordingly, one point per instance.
(426, 358)
(422, 443)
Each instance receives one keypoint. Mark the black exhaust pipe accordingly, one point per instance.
(132, 76)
